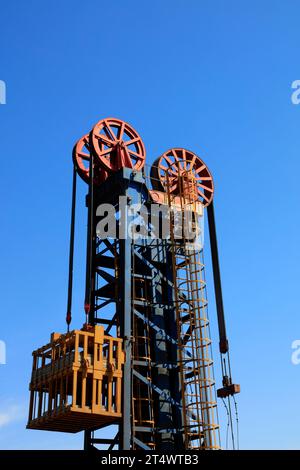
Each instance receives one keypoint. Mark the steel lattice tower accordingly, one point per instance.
(143, 359)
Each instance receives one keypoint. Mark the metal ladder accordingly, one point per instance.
(194, 343)
(142, 400)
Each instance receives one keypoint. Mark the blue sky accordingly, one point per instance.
(214, 77)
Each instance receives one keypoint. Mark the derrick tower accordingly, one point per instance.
(142, 361)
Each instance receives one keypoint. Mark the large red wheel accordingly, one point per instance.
(81, 159)
(182, 167)
(116, 145)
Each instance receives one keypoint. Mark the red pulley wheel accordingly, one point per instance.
(81, 159)
(117, 145)
(177, 165)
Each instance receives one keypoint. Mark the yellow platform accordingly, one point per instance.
(76, 381)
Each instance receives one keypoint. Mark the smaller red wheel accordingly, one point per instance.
(81, 159)
(117, 145)
(180, 171)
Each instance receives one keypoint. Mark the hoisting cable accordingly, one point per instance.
(235, 403)
(228, 422)
(237, 423)
(90, 238)
(224, 370)
(231, 424)
(229, 389)
(71, 252)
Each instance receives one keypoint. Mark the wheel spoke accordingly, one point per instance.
(132, 141)
(192, 162)
(177, 161)
(86, 142)
(110, 131)
(172, 164)
(203, 195)
(169, 169)
(168, 159)
(203, 178)
(84, 156)
(105, 152)
(134, 153)
(200, 169)
(165, 168)
(121, 130)
(105, 139)
(184, 159)
(207, 188)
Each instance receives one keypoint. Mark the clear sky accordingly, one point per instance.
(212, 76)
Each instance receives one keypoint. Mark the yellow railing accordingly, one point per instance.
(76, 381)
